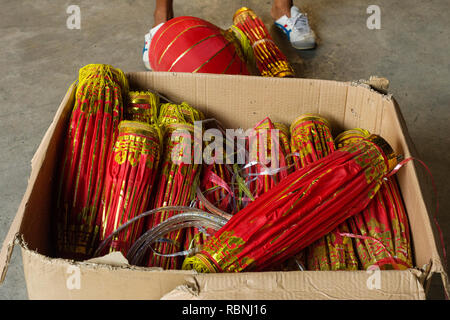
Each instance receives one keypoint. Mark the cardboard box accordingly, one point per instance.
(237, 101)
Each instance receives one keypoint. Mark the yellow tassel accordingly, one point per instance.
(97, 72)
(198, 264)
(148, 115)
(246, 46)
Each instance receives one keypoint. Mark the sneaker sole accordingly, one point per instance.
(308, 47)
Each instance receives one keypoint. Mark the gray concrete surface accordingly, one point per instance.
(39, 59)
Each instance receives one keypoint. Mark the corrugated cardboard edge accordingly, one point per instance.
(36, 162)
(380, 84)
(188, 285)
(95, 280)
(298, 285)
(437, 265)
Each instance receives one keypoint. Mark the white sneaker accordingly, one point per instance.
(297, 29)
(148, 39)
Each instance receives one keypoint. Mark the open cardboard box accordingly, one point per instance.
(237, 101)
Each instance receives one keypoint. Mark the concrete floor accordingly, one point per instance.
(40, 57)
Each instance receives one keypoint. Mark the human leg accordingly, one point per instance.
(293, 23)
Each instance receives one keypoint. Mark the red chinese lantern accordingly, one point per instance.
(302, 208)
(189, 44)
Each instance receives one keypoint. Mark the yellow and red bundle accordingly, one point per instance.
(311, 140)
(379, 235)
(270, 61)
(227, 189)
(381, 231)
(302, 208)
(268, 160)
(215, 193)
(142, 106)
(131, 172)
(333, 252)
(96, 114)
(178, 178)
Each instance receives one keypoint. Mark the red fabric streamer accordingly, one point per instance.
(303, 207)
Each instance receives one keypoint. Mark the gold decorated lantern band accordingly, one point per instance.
(142, 106)
(130, 178)
(302, 208)
(311, 139)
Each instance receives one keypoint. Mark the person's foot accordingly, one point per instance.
(297, 29)
(148, 39)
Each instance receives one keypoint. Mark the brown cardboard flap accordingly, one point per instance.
(379, 84)
(415, 192)
(113, 259)
(398, 285)
(8, 246)
(36, 163)
(59, 279)
(84, 280)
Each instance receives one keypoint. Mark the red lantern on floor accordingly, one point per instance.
(189, 44)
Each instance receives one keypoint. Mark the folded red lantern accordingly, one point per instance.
(96, 114)
(177, 181)
(130, 176)
(303, 207)
(311, 140)
(269, 160)
(189, 44)
(270, 61)
(381, 231)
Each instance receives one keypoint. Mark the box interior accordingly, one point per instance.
(240, 102)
